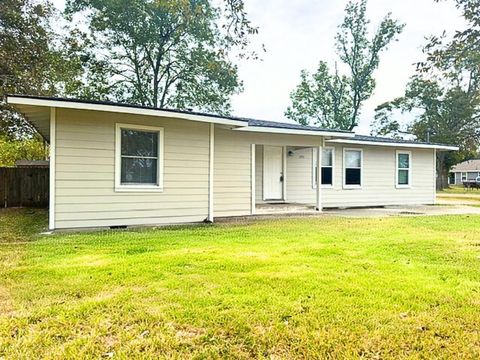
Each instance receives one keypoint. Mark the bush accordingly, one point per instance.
(25, 149)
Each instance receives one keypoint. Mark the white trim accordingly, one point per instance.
(461, 176)
(406, 145)
(435, 176)
(53, 140)
(284, 173)
(118, 151)
(252, 179)
(314, 162)
(122, 109)
(210, 172)
(350, 187)
(318, 193)
(274, 130)
(410, 159)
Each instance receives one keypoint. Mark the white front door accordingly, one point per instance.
(272, 173)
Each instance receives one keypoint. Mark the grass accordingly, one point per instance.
(457, 195)
(294, 288)
(459, 189)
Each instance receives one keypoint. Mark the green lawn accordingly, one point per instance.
(459, 196)
(459, 189)
(293, 288)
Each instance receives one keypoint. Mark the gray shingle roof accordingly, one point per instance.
(390, 140)
(249, 121)
(282, 125)
(469, 165)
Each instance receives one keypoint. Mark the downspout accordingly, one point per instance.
(252, 179)
(434, 176)
(210, 173)
(53, 138)
(318, 205)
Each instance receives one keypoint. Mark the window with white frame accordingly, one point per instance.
(139, 157)
(352, 172)
(404, 168)
(328, 156)
(464, 176)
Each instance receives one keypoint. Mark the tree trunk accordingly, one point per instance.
(442, 172)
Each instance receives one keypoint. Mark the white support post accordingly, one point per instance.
(318, 206)
(210, 173)
(284, 173)
(252, 179)
(53, 137)
(435, 176)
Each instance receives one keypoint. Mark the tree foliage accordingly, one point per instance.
(21, 149)
(167, 53)
(334, 100)
(152, 52)
(34, 60)
(443, 95)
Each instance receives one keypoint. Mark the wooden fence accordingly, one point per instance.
(24, 187)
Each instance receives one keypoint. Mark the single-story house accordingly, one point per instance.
(121, 165)
(466, 171)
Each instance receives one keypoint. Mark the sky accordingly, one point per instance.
(297, 34)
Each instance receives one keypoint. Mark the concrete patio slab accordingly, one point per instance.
(291, 210)
(422, 210)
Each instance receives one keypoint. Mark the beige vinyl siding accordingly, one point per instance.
(232, 174)
(85, 171)
(299, 177)
(259, 174)
(379, 176)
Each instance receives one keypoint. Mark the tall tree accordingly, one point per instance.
(168, 53)
(334, 100)
(443, 96)
(34, 60)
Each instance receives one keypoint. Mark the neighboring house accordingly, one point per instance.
(121, 165)
(466, 171)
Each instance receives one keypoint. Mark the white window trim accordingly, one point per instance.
(410, 163)
(314, 162)
(118, 159)
(461, 176)
(349, 187)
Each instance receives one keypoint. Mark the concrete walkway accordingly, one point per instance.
(424, 210)
(304, 211)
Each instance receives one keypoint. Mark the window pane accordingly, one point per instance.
(327, 159)
(139, 143)
(327, 176)
(403, 161)
(353, 158)
(139, 171)
(352, 176)
(403, 177)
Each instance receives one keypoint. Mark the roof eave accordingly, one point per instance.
(275, 130)
(396, 144)
(19, 100)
